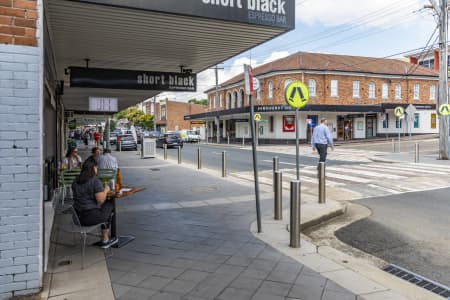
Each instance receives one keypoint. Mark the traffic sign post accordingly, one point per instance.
(399, 112)
(410, 110)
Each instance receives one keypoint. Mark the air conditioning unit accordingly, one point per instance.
(148, 148)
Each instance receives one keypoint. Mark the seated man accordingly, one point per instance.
(90, 203)
(107, 161)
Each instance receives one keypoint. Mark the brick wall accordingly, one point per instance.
(345, 90)
(20, 158)
(18, 22)
(176, 112)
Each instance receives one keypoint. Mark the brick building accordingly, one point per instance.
(170, 115)
(356, 94)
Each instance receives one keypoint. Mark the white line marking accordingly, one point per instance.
(366, 173)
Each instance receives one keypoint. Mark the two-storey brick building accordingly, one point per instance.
(356, 94)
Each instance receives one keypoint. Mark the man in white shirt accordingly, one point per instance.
(107, 161)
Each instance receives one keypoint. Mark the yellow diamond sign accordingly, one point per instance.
(257, 117)
(296, 94)
(444, 109)
(399, 111)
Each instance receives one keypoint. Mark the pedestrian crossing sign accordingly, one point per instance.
(399, 111)
(296, 94)
(444, 109)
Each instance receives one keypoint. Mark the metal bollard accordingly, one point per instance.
(199, 158)
(224, 163)
(276, 167)
(243, 142)
(393, 146)
(416, 152)
(165, 151)
(278, 195)
(120, 146)
(295, 214)
(322, 186)
(228, 140)
(179, 155)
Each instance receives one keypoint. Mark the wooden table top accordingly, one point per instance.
(128, 193)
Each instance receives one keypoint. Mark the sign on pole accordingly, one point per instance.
(399, 112)
(248, 78)
(444, 109)
(257, 117)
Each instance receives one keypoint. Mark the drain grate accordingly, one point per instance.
(418, 280)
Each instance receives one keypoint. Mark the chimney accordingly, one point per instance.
(413, 60)
(436, 60)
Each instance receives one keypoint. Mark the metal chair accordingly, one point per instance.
(66, 178)
(106, 175)
(76, 227)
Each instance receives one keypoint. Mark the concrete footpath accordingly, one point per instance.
(196, 239)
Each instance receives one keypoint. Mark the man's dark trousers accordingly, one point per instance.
(322, 149)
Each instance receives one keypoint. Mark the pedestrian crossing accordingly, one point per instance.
(368, 180)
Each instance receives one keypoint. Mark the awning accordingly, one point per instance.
(156, 35)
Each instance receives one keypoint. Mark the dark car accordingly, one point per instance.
(170, 139)
(126, 142)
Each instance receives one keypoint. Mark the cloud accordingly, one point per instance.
(379, 13)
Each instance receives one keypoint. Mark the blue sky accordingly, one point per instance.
(376, 28)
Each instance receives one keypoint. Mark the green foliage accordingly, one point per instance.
(112, 125)
(145, 121)
(136, 116)
(196, 101)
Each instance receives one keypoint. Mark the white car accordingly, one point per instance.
(193, 136)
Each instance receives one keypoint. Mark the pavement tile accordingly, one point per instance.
(292, 267)
(230, 270)
(305, 292)
(212, 286)
(204, 266)
(270, 254)
(235, 294)
(131, 279)
(193, 275)
(274, 288)
(166, 296)
(137, 294)
(217, 258)
(263, 264)
(182, 263)
(168, 272)
(246, 283)
(282, 276)
(115, 274)
(121, 265)
(236, 260)
(180, 286)
(120, 289)
(315, 281)
(255, 273)
(333, 295)
(154, 282)
(264, 296)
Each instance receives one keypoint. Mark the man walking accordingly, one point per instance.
(321, 138)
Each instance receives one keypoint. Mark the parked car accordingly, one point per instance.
(112, 138)
(170, 139)
(193, 136)
(126, 142)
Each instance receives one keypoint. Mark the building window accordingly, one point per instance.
(371, 90)
(258, 95)
(228, 105)
(398, 123)
(416, 120)
(215, 101)
(242, 97)
(386, 121)
(286, 83)
(385, 91)
(416, 91)
(235, 100)
(271, 124)
(210, 104)
(398, 91)
(432, 92)
(221, 100)
(334, 88)
(356, 89)
(163, 113)
(433, 121)
(312, 88)
(270, 90)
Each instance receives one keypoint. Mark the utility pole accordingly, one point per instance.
(154, 113)
(216, 102)
(443, 80)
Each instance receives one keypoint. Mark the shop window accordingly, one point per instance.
(258, 95)
(433, 92)
(214, 102)
(270, 90)
(289, 123)
(271, 123)
(416, 91)
(398, 123)
(385, 91)
(371, 90)
(312, 88)
(416, 120)
(356, 89)
(386, 121)
(334, 88)
(398, 91)
(163, 113)
(433, 121)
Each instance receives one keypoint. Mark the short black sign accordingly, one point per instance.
(132, 80)
(274, 13)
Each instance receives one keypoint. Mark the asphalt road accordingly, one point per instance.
(410, 230)
(240, 160)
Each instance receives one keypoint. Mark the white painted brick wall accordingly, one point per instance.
(20, 170)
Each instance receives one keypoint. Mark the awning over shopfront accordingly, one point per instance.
(155, 36)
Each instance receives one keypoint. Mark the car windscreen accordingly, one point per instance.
(127, 138)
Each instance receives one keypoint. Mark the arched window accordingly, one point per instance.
(228, 101)
(312, 88)
(258, 95)
(221, 100)
(286, 83)
(270, 90)
(398, 91)
(241, 98)
(235, 99)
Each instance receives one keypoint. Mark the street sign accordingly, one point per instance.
(411, 109)
(296, 94)
(444, 109)
(248, 78)
(257, 117)
(399, 112)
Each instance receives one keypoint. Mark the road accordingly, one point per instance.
(240, 160)
(410, 230)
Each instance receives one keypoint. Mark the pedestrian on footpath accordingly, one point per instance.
(321, 139)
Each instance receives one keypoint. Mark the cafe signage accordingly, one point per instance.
(274, 13)
(132, 80)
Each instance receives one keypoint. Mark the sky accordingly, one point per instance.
(374, 28)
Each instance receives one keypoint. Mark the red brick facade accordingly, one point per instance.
(174, 114)
(18, 22)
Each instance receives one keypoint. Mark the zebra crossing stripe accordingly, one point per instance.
(309, 179)
(366, 173)
(382, 188)
(411, 169)
(339, 176)
(390, 171)
(432, 168)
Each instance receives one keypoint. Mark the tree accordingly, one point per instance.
(196, 101)
(136, 116)
(145, 121)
